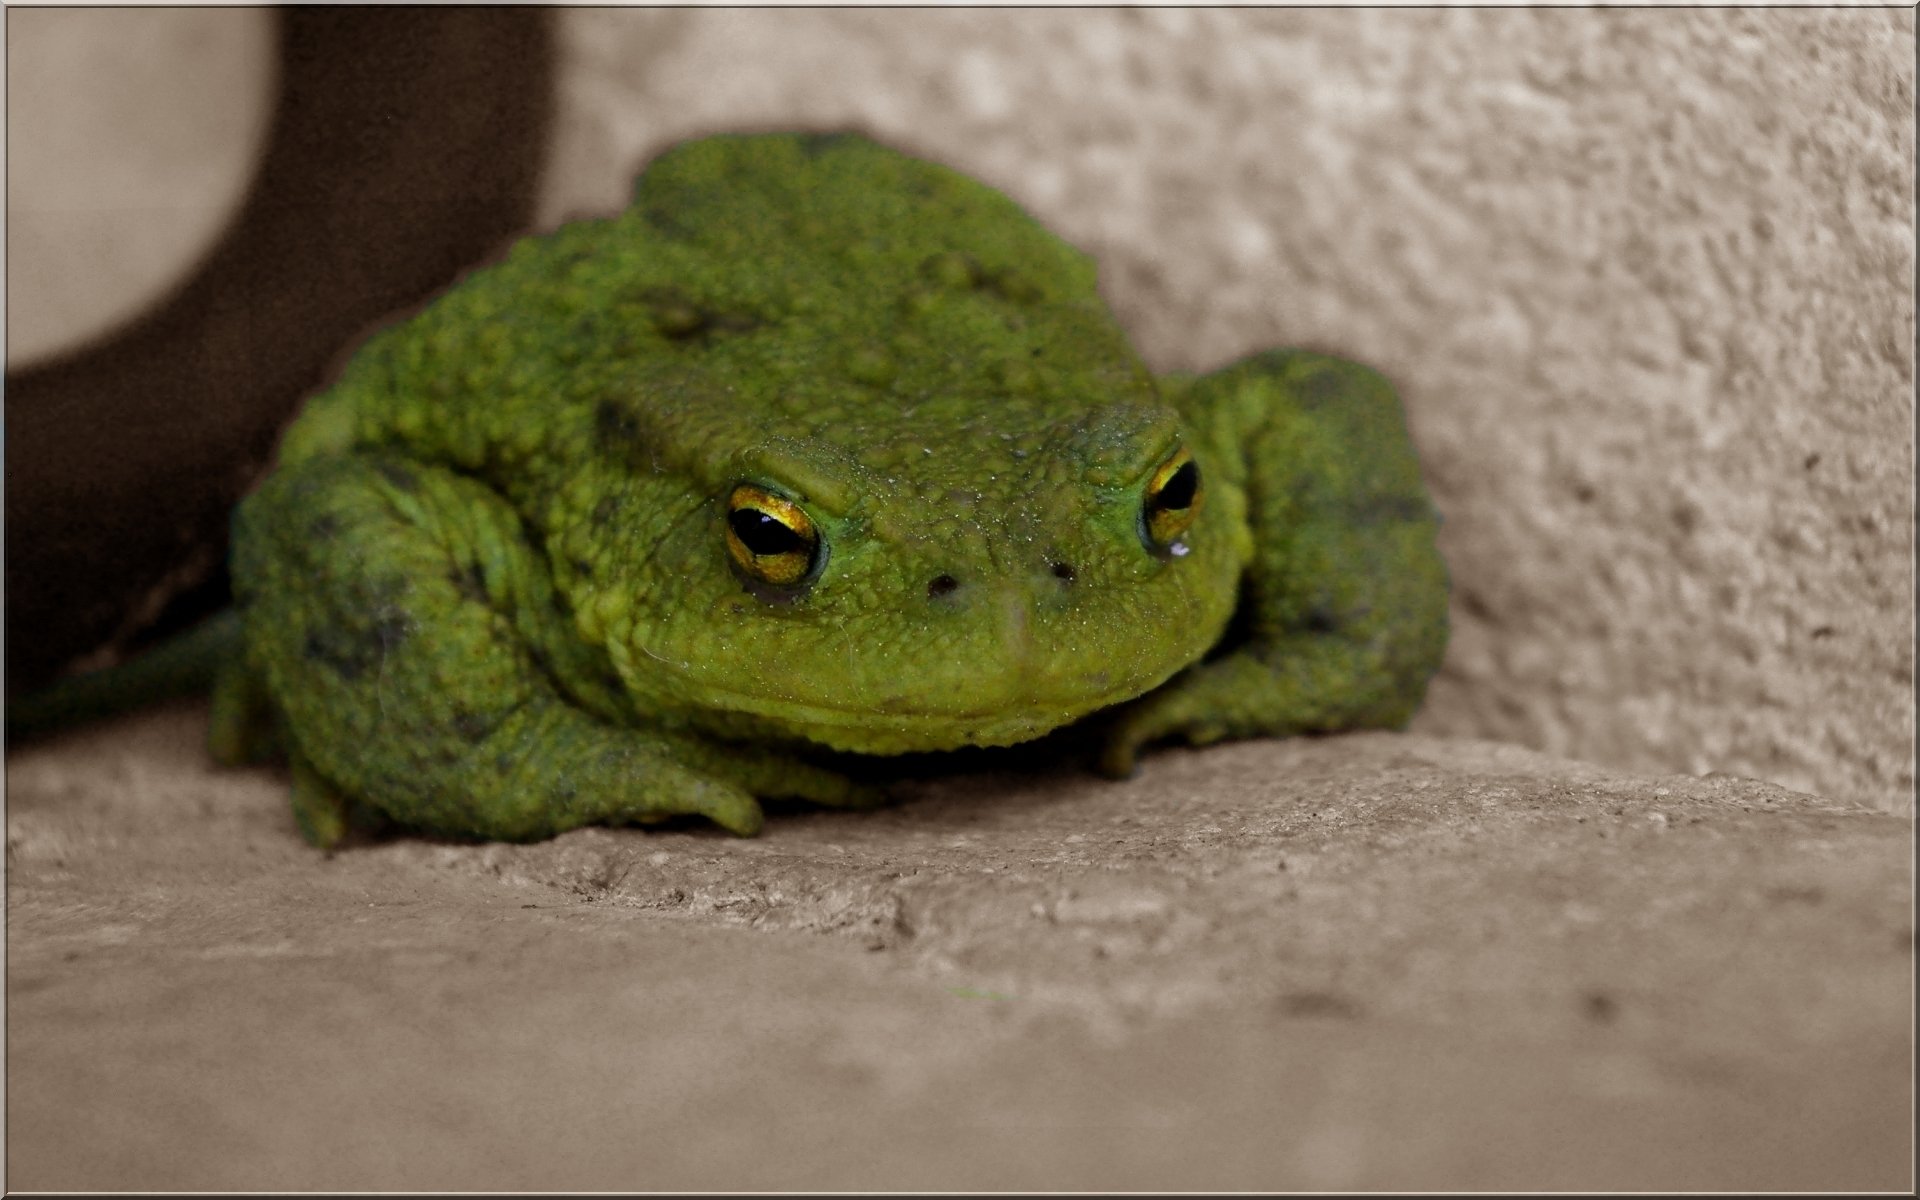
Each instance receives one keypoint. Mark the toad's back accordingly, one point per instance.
(820, 294)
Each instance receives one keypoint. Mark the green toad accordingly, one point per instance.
(816, 446)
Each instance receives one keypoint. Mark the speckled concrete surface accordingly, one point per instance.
(1645, 279)
(1376, 961)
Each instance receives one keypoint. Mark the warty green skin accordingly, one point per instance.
(487, 591)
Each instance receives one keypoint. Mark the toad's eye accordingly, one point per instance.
(1172, 501)
(770, 538)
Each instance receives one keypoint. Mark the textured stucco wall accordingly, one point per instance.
(1644, 279)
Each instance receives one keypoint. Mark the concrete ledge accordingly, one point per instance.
(1372, 961)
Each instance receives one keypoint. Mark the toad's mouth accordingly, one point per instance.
(902, 725)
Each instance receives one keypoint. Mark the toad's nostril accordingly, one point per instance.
(1063, 572)
(941, 585)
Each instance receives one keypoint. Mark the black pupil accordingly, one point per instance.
(763, 535)
(1178, 491)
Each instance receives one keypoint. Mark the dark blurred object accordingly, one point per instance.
(407, 143)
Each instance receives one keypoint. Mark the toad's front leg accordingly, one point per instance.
(1343, 615)
(407, 631)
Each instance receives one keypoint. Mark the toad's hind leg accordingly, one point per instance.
(406, 630)
(1344, 605)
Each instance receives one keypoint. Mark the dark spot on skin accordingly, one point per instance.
(1063, 572)
(1320, 388)
(324, 528)
(813, 145)
(504, 764)
(351, 653)
(1384, 510)
(665, 219)
(541, 662)
(339, 655)
(390, 628)
(561, 606)
(471, 582)
(1319, 620)
(1600, 1008)
(561, 795)
(1824, 631)
(604, 512)
(529, 539)
(616, 426)
(583, 568)
(471, 726)
(941, 585)
(1319, 1004)
(398, 476)
(709, 324)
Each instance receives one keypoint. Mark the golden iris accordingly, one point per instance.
(770, 537)
(1172, 500)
